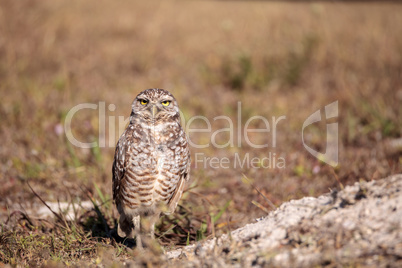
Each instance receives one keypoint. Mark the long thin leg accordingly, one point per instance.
(137, 229)
(153, 219)
(125, 227)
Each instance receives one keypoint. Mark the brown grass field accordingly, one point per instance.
(277, 59)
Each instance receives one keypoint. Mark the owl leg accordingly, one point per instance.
(137, 229)
(125, 228)
(148, 225)
(153, 219)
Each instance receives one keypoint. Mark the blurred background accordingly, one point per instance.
(276, 58)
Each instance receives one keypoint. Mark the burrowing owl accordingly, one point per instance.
(151, 163)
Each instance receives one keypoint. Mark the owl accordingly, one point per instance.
(151, 164)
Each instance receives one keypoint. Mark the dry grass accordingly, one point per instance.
(276, 58)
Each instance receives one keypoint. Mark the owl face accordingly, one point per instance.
(153, 105)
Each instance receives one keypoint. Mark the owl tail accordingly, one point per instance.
(125, 227)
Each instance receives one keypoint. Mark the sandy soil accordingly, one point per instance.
(359, 225)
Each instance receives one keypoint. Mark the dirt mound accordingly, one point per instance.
(359, 225)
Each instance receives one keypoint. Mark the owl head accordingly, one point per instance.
(155, 105)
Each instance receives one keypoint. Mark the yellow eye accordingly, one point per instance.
(143, 102)
(165, 103)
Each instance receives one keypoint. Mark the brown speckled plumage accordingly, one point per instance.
(151, 163)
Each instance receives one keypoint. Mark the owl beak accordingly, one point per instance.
(155, 110)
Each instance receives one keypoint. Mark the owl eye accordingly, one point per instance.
(143, 102)
(165, 103)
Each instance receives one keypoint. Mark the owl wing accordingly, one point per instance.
(121, 159)
(184, 167)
